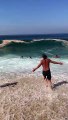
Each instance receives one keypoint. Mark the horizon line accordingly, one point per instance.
(32, 34)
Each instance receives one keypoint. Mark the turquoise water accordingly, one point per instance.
(35, 48)
(12, 62)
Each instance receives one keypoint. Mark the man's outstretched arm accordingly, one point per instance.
(54, 62)
(37, 66)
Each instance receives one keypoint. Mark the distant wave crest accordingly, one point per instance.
(6, 42)
(34, 47)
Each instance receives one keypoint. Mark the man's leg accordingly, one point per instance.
(49, 83)
(49, 79)
(46, 82)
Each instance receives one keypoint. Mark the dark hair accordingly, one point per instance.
(44, 56)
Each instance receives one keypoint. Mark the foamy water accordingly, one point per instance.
(11, 64)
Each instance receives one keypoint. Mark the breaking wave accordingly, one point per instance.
(34, 47)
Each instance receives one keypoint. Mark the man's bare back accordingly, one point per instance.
(45, 63)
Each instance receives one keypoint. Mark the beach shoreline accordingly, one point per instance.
(29, 99)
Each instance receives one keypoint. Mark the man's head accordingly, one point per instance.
(44, 56)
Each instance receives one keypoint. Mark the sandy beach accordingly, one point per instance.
(29, 99)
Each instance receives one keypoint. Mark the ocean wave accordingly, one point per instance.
(6, 42)
(49, 39)
(35, 47)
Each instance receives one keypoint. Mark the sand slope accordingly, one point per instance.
(30, 100)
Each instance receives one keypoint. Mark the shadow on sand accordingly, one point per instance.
(9, 84)
(60, 83)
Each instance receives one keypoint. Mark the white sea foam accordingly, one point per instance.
(23, 66)
(64, 42)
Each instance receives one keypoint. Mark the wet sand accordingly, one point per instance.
(29, 99)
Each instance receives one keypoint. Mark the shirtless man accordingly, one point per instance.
(45, 62)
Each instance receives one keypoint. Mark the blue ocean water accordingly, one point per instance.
(34, 36)
(35, 45)
(16, 57)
